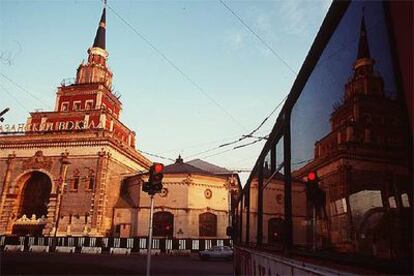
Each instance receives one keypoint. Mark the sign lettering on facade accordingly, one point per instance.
(49, 126)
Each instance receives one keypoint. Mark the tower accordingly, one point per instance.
(62, 175)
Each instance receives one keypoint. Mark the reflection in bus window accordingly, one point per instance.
(342, 128)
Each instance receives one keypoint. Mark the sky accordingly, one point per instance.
(191, 76)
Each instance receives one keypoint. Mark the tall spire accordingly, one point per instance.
(99, 41)
(363, 48)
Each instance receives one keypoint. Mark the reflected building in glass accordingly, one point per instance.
(362, 163)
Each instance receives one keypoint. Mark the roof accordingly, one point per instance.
(363, 48)
(206, 166)
(180, 167)
(99, 41)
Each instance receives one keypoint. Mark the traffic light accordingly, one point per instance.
(315, 195)
(146, 187)
(154, 184)
(155, 177)
(312, 186)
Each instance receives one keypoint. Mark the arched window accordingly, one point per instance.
(207, 225)
(163, 224)
(75, 181)
(91, 181)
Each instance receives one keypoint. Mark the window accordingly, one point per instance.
(91, 183)
(207, 225)
(89, 105)
(75, 185)
(75, 181)
(64, 106)
(76, 106)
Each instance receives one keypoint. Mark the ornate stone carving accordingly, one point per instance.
(38, 161)
(208, 193)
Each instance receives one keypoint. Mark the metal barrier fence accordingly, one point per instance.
(134, 244)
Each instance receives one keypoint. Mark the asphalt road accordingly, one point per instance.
(76, 264)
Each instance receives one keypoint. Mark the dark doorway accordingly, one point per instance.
(207, 225)
(34, 200)
(35, 195)
(163, 224)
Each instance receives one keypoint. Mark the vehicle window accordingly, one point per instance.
(341, 129)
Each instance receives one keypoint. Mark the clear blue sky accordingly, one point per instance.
(47, 40)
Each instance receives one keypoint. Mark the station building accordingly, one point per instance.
(60, 172)
(194, 203)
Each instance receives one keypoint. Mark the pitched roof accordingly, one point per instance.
(206, 166)
(180, 167)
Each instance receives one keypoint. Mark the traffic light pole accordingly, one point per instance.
(150, 237)
(313, 228)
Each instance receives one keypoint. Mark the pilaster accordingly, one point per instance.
(5, 207)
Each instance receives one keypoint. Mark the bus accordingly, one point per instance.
(332, 189)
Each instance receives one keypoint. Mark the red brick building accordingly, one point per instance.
(60, 173)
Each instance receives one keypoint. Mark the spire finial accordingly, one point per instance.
(363, 48)
(179, 160)
(100, 40)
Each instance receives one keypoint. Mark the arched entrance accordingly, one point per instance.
(207, 225)
(379, 232)
(33, 204)
(163, 224)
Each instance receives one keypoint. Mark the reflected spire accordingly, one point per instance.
(363, 48)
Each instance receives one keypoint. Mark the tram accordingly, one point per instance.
(331, 191)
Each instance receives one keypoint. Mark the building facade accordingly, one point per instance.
(194, 203)
(60, 172)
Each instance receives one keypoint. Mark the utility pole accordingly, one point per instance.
(150, 236)
(153, 186)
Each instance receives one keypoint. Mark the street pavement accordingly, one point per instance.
(76, 264)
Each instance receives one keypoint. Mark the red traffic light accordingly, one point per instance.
(158, 167)
(312, 176)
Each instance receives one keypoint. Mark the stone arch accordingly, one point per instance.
(35, 194)
(24, 176)
(377, 232)
(32, 204)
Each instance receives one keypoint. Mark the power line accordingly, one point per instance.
(250, 135)
(178, 69)
(259, 38)
(17, 101)
(24, 89)
(156, 155)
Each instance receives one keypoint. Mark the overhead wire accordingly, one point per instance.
(279, 57)
(156, 155)
(17, 101)
(176, 67)
(24, 90)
